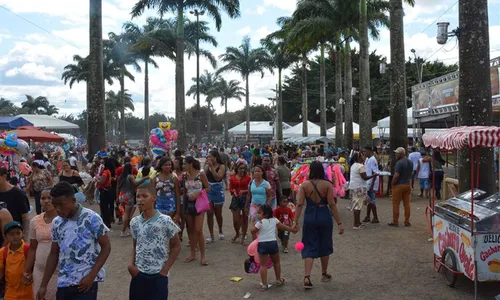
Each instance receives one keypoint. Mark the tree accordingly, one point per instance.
(398, 128)
(122, 56)
(274, 43)
(114, 108)
(7, 108)
(475, 105)
(213, 9)
(245, 61)
(226, 91)
(208, 87)
(146, 46)
(35, 106)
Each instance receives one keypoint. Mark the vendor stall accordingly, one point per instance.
(466, 228)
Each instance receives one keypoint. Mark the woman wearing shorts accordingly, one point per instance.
(126, 188)
(238, 185)
(259, 193)
(167, 189)
(215, 170)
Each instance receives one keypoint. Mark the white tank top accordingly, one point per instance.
(425, 169)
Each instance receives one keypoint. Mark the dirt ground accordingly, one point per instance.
(379, 262)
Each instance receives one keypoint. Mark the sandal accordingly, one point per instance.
(204, 263)
(366, 220)
(263, 287)
(189, 259)
(280, 282)
(326, 277)
(235, 239)
(308, 285)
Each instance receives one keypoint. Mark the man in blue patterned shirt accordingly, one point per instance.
(156, 247)
(79, 244)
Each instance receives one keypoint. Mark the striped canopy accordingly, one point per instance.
(464, 137)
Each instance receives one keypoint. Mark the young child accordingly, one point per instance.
(266, 233)
(285, 215)
(12, 263)
(156, 246)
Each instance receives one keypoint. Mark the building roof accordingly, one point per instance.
(48, 122)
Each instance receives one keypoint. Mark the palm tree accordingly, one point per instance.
(245, 61)
(213, 9)
(7, 108)
(96, 137)
(35, 106)
(281, 60)
(336, 58)
(122, 56)
(145, 45)
(226, 91)
(398, 123)
(114, 108)
(208, 86)
(51, 110)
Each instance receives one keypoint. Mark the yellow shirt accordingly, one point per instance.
(152, 173)
(14, 268)
(343, 162)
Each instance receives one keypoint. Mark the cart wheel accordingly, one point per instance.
(449, 259)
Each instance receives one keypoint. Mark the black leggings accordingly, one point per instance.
(38, 205)
(107, 205)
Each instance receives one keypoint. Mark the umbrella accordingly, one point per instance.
(36, 134)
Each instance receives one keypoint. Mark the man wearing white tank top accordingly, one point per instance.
(423, 173)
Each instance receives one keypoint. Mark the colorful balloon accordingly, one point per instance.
(252, 248)
(25, 168)
(164, 125)
(11, 140)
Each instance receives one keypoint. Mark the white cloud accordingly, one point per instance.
(261, 33)
(261, 10)
(244, 31)
(34, 70)
(288, 5)
(35, 37)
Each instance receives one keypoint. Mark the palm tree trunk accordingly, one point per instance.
(209, 122)
(365, 111)
(180, 105)
(322, 91)
(279, 109)
(398, 123)
(247, 103)
(305, 111)
(339, 122)
(475, 106)
(146, 102)
(122, 106)
(226, 123)
(96, 128)
(348, 130)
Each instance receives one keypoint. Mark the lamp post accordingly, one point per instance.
(198, 13)
(420, 67)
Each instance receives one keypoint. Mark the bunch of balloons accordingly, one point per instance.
(10, 145)
(161, 138)
(252, 251)
(332, 172)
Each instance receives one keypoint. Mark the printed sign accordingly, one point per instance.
(421, 98)
(450, 236)
(488, 257)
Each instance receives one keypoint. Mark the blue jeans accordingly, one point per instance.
(148, 287)
(72, 293)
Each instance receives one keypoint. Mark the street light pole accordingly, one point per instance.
(420, 67)
(198, 13)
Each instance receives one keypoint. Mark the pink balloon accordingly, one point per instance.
(154, 140)
(256, 258)
(174, 134)
(252, 249)
(168, 135)
(25, 168)
(299, 246)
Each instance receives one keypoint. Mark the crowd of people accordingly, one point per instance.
(60, 253)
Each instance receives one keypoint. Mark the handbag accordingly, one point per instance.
(202, 204)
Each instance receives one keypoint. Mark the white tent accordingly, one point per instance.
(385, 122)
(295, 131)
(68, 137)
(385, 132)
(48, 122)
(355, 129)
(256, 128)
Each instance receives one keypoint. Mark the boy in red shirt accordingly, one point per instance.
(285, 215)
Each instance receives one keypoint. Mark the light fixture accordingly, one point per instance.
(443, 34)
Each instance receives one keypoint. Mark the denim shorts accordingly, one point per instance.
(265, 248)
(371, 195)
(424, 183)
(166, 204)
(216, 193)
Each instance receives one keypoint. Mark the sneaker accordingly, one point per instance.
(285, 250)
(366, 220)
(392, 224)
(209, 240)
(358, 227)
(221, 236)
(124, 234)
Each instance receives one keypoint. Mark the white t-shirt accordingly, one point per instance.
(73, 161)
(415, 157)
(267, 229)
(371, 166)
(425, 169)
(356, 181)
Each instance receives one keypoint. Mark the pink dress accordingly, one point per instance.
(40, 231)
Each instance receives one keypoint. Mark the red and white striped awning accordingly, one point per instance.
(464, 137)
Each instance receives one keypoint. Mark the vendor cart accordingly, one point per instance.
(466, 228)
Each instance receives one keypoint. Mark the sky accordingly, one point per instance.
(38, 38)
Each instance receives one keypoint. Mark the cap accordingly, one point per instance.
(400, 150)
(10, 225)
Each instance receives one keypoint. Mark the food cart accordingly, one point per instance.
(466, 228)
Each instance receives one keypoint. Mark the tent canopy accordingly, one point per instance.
(386, 122)
(13, 122)
(464, 137)
(313, 130)
(36, 134)
(308, 140)
(355, 129)
(256, 128)
(48, 122)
